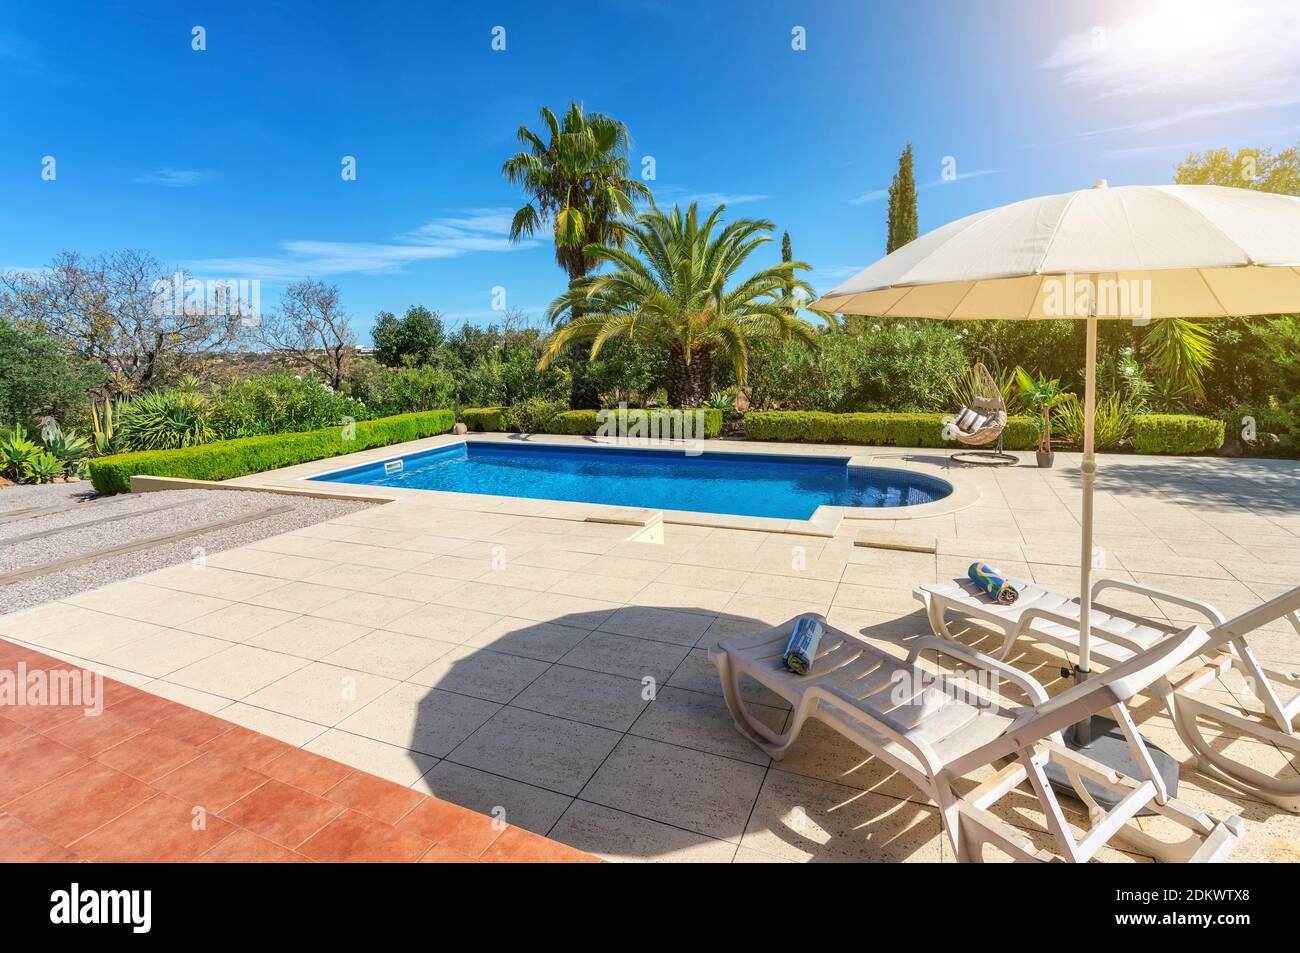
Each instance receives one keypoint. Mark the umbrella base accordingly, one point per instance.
(984, 458)
(1109, 747)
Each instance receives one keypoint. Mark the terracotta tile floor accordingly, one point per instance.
(152, 780)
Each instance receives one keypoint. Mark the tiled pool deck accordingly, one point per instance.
(517, 659)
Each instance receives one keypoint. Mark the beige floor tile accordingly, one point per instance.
(467, 670)
(698, 674)
(236, 672)
(536, 640)
(298, 597)
(483, 595)
(701, 721)
(442, 623)
(626, 655)
(350, 576)
(96, 636)
(537, 749)
(162, 652)
(692, 790)
(367, 608)
(238, 622)
(294, 731)
(686, 598)
(659, 625)
(390, 654)
(577, 611)
(788, 587)
(805, 819)
(321, 693)
(134, 600)
(624, 838)
(593, 698)
(536, 578)
(414, 585)
(395, 763)
(703, 577)
(769, 611)
(422, 719)
(308, 637)
(605, 588)
(520, 805)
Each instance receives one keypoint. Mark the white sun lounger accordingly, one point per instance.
(1052, 617)
(936, 729)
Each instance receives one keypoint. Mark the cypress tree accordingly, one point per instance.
(902, 204)
(787, 254)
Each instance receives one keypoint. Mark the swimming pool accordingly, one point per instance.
(740, 484)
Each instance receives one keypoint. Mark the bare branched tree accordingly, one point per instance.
(311, 327)
(118, 309)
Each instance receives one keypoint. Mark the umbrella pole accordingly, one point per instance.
(1099, 738)
(1083, 732)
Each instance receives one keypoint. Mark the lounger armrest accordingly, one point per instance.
(1214, 616)
(878, 722)
(961, 653)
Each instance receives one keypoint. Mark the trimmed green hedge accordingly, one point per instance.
(584, 422)
(227, 459)
(484, 419)
(1176, 433)
(900, 430)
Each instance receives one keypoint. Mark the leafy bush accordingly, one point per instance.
(484, 418)
(1112, 420)
(1265, 429)
(385, 391)
(644, 422)
(534, 415)
(1176, 433)
(40, 378)
(280, 402)
(881, 429)
(227, 459)
(409, 341)
(899, 365)
(164, 420)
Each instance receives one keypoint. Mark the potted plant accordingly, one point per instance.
(1040, 395)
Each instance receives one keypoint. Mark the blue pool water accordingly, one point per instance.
(743, 484)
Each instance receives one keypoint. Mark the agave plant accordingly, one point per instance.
(16, 453)
(163, 420)
(70, 449)
(101, 416)
(44, 467)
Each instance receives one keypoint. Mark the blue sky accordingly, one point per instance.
(227, 160)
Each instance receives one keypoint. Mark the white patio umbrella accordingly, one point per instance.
(1129, 253)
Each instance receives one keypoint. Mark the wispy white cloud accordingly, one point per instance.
(174, 178)
(836, 271)
(475, 230)
(876, 195)
(1232, 58)
(710, 200)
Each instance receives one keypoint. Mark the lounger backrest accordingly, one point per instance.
(1252, 619)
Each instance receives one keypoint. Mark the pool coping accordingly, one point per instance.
(825, 521)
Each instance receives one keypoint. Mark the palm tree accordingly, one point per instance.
(680, 291)
(576, 175)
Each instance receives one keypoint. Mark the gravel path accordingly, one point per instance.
(198, 507)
